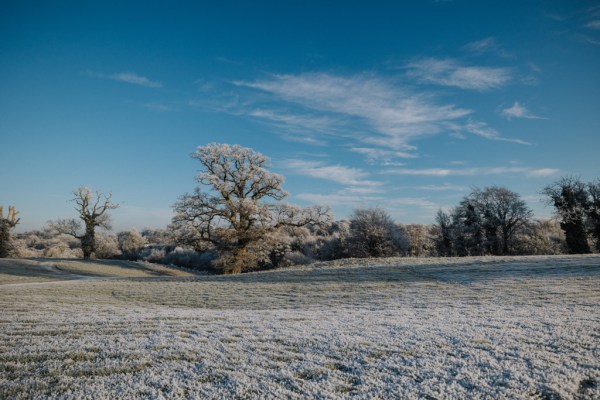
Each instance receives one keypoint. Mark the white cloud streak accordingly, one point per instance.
(518, 111)
(338, 199)
(382, 156)
(486, 45)
(335, 173)
(446, 187)
(449, 72)
(127, 77)
(343, 198)
(364, 107)
(593, 24)
(441, 172)
(481, 129)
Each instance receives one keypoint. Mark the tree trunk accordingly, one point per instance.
(88, 241)
(576, 237)
(4, 239)
(505, 238)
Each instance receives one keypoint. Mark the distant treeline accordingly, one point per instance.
(226, 225)
(489, 221)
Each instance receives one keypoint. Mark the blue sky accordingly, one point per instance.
(404, 105)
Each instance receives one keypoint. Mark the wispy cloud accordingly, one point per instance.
(555, 17)
(486, 45)
(450, 72)
(483, 130)
(339, 199)
(336, 173)
(541, 172)
(127, 77)
(518, 111)
(344, 198)
(530, 172)
(156, 107)
(306, 122)
(382, 156)
(366, 108)
(593, 24)
(446, 187)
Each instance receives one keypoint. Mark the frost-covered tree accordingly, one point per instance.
(373, 233)
(570, 200)
(93, 210)
(238, 205)
(420, 239)
(6, 224)
(336, 244)
(542, 236)
(131, 243)
(163, 237)
(107, 245)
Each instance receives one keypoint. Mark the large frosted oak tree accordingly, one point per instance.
(238, 205)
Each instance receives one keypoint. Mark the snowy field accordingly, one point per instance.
(518, 328)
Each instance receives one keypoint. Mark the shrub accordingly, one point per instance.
(373, 233)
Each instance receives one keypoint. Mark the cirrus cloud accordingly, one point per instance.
(450, 72)
(127, 77)
(518, 111)
(443, 172)
(336, 173)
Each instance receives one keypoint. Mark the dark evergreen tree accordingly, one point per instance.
(6, 224)
(570, 200)
(444, 242)
(593, 211)
(5, 247)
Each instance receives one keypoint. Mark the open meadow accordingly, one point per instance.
(492, 327)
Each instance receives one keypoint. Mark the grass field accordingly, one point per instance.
(519, 328)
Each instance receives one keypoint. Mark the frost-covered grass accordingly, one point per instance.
(523, 328)
(43, 270)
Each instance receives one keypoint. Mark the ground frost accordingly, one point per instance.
(524, 328)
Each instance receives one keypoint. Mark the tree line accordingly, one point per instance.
(235, 220)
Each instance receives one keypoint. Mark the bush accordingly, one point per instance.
(373, 233)
(107, 245)
(178, 256)
(131, 243)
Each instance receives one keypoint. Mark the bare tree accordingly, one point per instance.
(487, 221)
(93, 210)
(504, 214)
(232, 212)
(6, 224)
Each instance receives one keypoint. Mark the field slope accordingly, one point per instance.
(15, 271)
(519, 328)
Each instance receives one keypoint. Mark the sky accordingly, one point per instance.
(405, 105)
